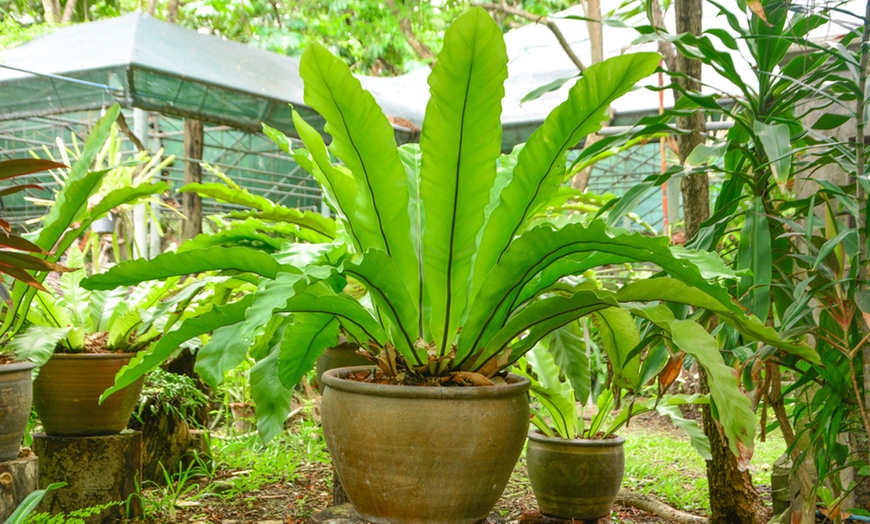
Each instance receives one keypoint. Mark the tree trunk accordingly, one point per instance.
(695, 187)
(596, 38)
(172, 12)
(51, 8)
(191, 203)
(733, 498)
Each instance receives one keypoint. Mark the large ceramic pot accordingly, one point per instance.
(423, 454)
(343, 355)
(575, 479)
(67, 391)
(16, 395)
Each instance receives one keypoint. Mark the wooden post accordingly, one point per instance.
(98, 471)
(191, 204)
(18, 478)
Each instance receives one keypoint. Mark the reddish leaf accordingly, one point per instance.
(23, 276)
(758, 9)
(25, 261)
(19, 243)
(25, 166)
(15, 189)
(670, 373)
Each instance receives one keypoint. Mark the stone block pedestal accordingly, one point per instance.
(18, 478)
(98, 470)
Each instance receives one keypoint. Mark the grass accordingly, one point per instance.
(291, 476)
(663, 464)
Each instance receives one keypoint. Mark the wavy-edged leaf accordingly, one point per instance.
(619, 335)
(271, 296)
(37, 343)
(672, 290)
(315, 222)
(225, 350)
(76, 299)
(568, 347)
(68, 206)
(733, 408)
(461, 140)
(271, 398)
(121, 325)
(541, 317)
(304, 340)
(364, 140)
(379, 274)
(148, 359)
(541, 164)
(539, 248)
(185, 263)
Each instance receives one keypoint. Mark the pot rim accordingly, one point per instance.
(88, 356)
(537, 436)
(12, 367)
(334, 379)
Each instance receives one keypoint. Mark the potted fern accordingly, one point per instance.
(66, 224)
(576, 467)
(462, 279)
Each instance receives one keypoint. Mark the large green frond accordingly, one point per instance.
(461, 140)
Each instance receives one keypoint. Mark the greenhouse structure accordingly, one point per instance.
(55, 86)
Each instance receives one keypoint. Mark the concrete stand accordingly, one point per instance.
(18, 478)
(97, 470)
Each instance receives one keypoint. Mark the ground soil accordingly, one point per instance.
(293, 500)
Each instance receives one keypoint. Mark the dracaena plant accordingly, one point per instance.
(461, 277)
(17, 254)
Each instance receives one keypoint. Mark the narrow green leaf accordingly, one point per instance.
(541, 163)
(364, 140)
(37, 343)
(619, 335)
(304, 340)
(148, 359)
(461, 140)
(29, 504)
(271, 398)
(754, 254)
(776, 140)
(186, 263)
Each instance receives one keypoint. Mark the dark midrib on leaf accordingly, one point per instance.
(448, 302)
(310, 344)
(333, 313)
(392, 308)
(541, 320)
(553, 161)
(533, 270)
(365, 173)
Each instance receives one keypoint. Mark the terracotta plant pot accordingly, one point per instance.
(341, 356)
(67, 390)
(423, 454)
(16, 395)
(575, 479)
